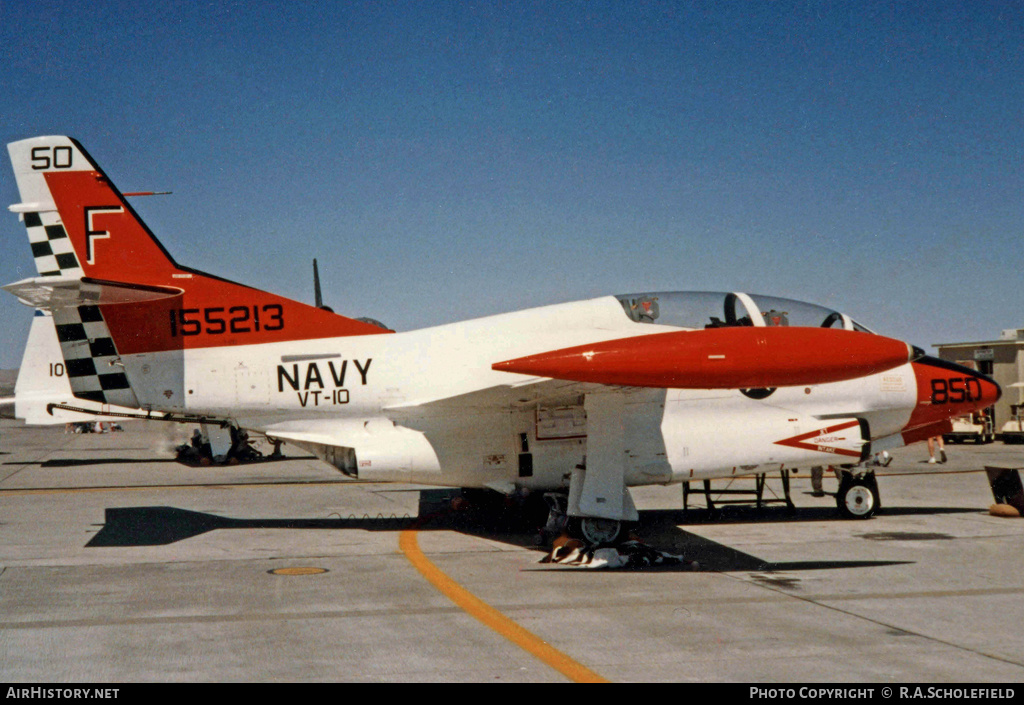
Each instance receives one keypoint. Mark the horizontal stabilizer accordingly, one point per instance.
(53, 293)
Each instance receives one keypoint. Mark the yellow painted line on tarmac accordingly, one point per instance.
(531, 643)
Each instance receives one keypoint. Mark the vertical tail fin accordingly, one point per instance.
(121, 293)
(65, 196)
(52, 250)
(70, 207)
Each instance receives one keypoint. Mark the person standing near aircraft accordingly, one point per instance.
(931, 450)
(817, 472)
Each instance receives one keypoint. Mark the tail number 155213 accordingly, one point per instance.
(218, 320)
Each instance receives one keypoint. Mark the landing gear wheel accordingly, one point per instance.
(600, 531)
(857, 498)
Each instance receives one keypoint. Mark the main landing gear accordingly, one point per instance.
(857, 496)
(600, 532)
(595, 531)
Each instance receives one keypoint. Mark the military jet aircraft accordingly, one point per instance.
(585, 399)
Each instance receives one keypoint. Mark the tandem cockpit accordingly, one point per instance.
(708, 309)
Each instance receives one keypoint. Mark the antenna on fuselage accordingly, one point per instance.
(318, 300)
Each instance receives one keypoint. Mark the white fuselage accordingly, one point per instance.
(427, 406)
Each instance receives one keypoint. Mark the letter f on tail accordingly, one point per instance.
(115, 292)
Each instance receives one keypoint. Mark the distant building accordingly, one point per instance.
(1002, 359)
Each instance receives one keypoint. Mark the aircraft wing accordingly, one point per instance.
(392, 442)
(380, 443)
(535, 390)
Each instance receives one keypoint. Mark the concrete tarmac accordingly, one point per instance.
(118, 564)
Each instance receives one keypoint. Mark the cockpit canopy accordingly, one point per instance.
(709, 309)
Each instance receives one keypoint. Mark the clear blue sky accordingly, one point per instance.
(453, 160)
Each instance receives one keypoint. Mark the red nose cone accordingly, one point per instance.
(946, 390)
(720, 358)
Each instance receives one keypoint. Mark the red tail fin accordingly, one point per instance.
(63, 189)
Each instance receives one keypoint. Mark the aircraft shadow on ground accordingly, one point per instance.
(749, 514)
(267, 459)
(71, 463)
(160, 526)
(661, 529)
(76, 462)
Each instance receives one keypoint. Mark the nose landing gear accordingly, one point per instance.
(857, 496)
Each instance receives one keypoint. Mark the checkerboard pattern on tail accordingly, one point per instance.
(51, 246)
(90, 356)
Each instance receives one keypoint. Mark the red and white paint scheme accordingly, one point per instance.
(590, 397)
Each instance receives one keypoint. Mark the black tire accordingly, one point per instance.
(598, 532)
(857, 498)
